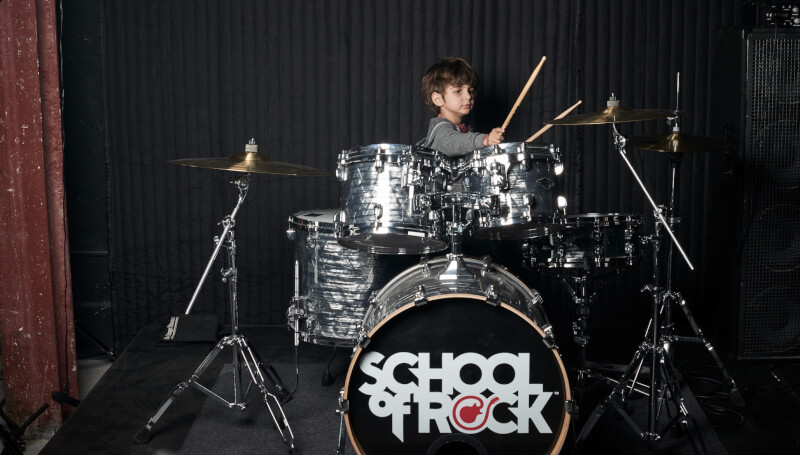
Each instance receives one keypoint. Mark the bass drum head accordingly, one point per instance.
(456, 372)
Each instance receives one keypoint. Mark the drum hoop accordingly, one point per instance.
(354, 229)
(391, 153)
(307, 225)
(562, 436)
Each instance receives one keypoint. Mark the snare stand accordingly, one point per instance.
(242, 352)
(663, 387)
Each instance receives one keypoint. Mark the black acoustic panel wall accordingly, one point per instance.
(769, 313)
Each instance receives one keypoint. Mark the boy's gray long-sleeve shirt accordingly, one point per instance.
(445, 137)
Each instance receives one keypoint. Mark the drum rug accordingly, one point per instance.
(312, 416)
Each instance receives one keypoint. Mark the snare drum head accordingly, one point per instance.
(457, 372)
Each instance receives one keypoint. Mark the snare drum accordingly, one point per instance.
(517, 181)
(456, 362)
(381, 208)
(589, 241)
(334, 283)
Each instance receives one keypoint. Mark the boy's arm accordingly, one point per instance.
(446, 138)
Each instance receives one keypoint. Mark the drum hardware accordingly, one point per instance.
(342, 410)
(663, 388)
(243, 354)
(577, 287)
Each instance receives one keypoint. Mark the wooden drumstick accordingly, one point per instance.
(547, 127)
(524, 92)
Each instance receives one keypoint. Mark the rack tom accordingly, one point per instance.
(381, 208)
(517, 183)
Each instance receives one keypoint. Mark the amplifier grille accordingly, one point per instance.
(770, 287)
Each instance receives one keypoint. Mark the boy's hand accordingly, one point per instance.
(494, 137)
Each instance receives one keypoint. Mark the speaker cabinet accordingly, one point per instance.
(769, 171)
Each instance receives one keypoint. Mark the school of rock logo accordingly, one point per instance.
(443, 400)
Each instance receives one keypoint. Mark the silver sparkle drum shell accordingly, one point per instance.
(335, 283)
(517, 183)
(589, 241)
(381, 211)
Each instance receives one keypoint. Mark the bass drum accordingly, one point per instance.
(456, 357)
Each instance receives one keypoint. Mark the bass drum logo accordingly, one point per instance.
(493, 376)
(467, 418)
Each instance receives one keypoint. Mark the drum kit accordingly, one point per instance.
(450, 353)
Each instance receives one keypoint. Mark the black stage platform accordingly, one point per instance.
(134, 387)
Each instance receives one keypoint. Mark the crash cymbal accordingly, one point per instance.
(250, 161)
(678, 142)
(614, 113)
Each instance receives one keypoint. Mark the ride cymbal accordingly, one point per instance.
(250, 161)
(614, 113)
(678, 142)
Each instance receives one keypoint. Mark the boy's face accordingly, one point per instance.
(455, 102)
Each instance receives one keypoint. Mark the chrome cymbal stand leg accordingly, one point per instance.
(243, 354)
(664, 388)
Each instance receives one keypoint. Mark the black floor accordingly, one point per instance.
(144, 375)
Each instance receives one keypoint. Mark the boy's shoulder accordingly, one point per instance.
(438, 121)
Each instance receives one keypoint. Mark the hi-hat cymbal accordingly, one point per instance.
(614, 113)
(250, 161)
(678, 143)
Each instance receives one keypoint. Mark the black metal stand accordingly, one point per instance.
(243, 354)
(662, 389)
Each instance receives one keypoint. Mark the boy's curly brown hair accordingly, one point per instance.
(447, 71)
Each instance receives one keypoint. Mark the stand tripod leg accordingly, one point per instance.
(600, 409)
(143, 436)
(342, 427)
(257, 374)
(672, 392)
(736, 394)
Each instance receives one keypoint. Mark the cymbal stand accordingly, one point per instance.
(663, 388)
(243, 354)
(672, 296)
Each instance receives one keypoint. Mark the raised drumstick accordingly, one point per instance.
(524, 92)
(547, 127)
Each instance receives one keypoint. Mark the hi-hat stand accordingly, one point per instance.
(663, 389)
(243, 354)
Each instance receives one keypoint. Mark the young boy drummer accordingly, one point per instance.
(449, 90)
